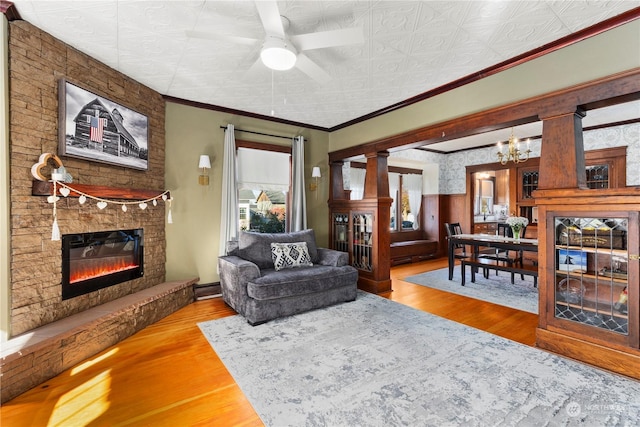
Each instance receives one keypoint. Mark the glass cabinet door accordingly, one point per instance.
(340, 232)
(529, 184)
(362, 241)
(591, 268)
(598, 176)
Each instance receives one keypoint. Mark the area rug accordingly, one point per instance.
(522, 295)
(375, 362)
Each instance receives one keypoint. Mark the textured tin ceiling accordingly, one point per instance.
(409, 47)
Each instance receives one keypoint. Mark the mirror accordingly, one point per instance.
(491, 195)
(485, 193)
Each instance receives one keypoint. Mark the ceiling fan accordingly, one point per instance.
(282, 51)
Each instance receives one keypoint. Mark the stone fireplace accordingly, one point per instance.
(51, 329)
(37, 62)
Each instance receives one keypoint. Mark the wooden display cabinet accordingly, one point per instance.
(357, 228)
(527, 183)
(605, 168)
(589, 301)
(361, 227)
(352, 232)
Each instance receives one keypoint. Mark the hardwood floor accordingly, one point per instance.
(168, 375)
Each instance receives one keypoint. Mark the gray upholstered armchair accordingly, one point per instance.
(299, 280)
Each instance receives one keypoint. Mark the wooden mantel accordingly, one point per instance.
(45, 188)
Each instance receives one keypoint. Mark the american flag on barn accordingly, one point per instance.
(97, 125)
(97, 128)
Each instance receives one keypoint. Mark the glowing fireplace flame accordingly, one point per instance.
(103, 267)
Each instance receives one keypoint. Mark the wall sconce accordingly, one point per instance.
(315, 174)
(204, 164)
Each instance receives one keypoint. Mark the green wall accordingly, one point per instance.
(193, 238)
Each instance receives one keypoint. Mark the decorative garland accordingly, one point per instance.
(102, 203)
(61, 178)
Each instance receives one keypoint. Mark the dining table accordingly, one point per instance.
(477, 241)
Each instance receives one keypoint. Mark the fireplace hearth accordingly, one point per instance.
(92, 261)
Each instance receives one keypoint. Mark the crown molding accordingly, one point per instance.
(9, 10)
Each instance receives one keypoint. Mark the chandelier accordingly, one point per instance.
(513, 151)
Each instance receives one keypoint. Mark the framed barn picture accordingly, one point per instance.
(95, 128)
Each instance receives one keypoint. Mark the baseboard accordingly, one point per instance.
(208, 297)
(207, 291)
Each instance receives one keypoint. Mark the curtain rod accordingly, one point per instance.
(259, 133)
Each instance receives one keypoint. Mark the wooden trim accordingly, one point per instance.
(622, 362)
(597, 155)
(532, 137)
(45, 188)
(610, 90)
(580, 197)
(9, 10)
(374, 286)
(240, 143)
(605, 153)
(394, 169)
(336, 185)
(241, 113)
(270, 135)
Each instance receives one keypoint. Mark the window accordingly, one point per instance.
(394, 185)
(405, 210)
(407, 207)
(244, 216)
(263, 188)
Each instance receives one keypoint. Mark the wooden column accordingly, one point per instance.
(376, 181)
(336, 182)
(376, 193)
(562, 151)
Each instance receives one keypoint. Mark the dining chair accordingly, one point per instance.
(459, 250)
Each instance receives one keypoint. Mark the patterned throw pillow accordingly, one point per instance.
(290, 255)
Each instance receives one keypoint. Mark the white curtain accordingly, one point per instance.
(356, 178)
(413, 184)
(229, 213)
(394, 184)
(298, 210)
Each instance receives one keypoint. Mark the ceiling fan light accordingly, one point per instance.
(277, 55)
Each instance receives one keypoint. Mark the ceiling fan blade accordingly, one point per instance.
(224, 37)
(312, 69)
(330, 38)
(270, 17)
